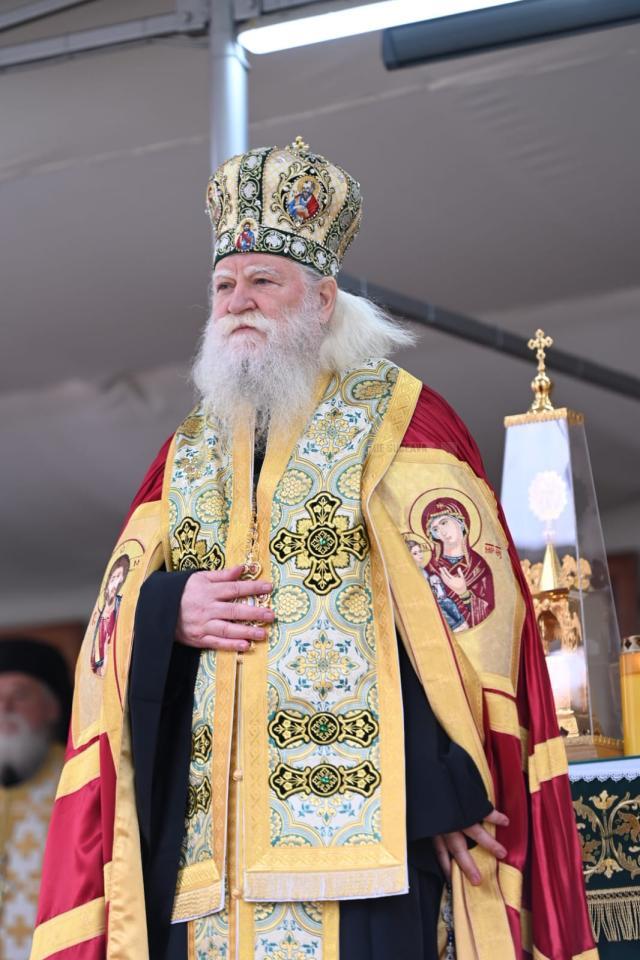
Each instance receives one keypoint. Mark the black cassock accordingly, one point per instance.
(444, 792)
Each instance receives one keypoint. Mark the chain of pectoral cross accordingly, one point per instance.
(252, 566)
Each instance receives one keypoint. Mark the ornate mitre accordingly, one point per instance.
(287, 201)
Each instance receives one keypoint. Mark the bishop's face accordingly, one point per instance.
(251, 293)
(262, 345)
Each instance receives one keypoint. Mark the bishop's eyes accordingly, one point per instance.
(225, 286)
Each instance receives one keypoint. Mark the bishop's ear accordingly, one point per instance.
(327, 291)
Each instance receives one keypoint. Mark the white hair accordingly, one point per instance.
(358, 329)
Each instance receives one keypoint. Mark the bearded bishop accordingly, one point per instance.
(300, 744)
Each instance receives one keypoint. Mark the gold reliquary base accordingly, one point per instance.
(590, 746)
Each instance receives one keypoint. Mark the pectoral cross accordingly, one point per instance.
(253, 567)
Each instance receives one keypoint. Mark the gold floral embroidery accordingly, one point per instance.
(376, 389)
(291, 603)
(313, 910)
(323, 665)
(357, 839)
(603, 832)
(262, 911)
(332, 432)
(293, 487)
(354, 603)
(210, 506)
(349, 482)
(288, 949)
(192, 426)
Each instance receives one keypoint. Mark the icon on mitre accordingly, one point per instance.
(303, 203)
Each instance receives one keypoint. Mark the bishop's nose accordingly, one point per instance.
(241, 299)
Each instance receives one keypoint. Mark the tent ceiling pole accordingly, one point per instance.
(487, 335)
(229, 78)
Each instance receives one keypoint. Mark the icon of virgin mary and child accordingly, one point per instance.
(460, 578)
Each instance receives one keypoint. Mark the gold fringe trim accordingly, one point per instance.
(615, 914)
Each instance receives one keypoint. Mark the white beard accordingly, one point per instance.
(23, 751)
(273, 380)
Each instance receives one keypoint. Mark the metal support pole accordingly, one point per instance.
(229, 125)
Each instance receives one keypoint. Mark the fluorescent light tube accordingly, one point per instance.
(348, 23)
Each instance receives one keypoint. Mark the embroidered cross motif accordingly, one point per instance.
(290, 729)
(199, 798)
(191, 553)
(322, 545)
(324, 780)
(201, 743)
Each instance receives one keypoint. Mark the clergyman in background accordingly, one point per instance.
(35, 701)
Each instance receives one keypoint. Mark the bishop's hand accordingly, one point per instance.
(454, 845)
(215, 608)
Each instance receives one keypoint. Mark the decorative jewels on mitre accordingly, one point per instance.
(287, 201)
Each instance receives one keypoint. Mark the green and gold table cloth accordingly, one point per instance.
(606, 800)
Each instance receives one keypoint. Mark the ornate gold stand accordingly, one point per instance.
(558, 586)
(587, 746)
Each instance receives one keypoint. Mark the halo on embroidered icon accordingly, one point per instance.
(441, 497)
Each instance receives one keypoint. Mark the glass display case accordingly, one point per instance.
(551, 508)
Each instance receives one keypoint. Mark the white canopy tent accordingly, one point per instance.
(502, 185)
